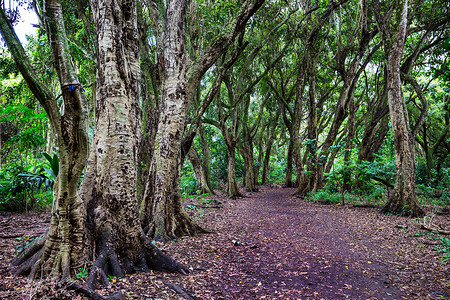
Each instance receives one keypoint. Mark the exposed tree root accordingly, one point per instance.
(26, 259)
(236, 195)
(157, 260)
(395, 207)
(37, 262)
(107, 262)
(185, 226)
(78, 288)
(178, 225)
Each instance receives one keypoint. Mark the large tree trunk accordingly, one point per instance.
(63, 245)
(403, 200)
(109, 187)
(168, 219)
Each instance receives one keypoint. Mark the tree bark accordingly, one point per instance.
(403, 201)
(347, 176)
(199, 172)
(62, 247)
(180, 82)
(206, 162)
(168, 218)
(109, 186)
(268, 150)
(289, 165)
(232, 189)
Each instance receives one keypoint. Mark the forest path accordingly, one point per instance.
(272, 245)
(302, 251)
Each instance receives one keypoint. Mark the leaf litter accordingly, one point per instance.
(269, 245)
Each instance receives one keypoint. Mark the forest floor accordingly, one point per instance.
(272, 245)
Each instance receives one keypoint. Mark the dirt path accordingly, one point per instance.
(302, 251)
(272, 245)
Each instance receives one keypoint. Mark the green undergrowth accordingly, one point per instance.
(444, 248)
(198, 204)
(329, 197)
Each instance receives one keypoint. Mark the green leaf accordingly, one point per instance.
(48, 157)
(447, 44)
(50, 172)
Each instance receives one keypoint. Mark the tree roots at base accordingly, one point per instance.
(56, 267)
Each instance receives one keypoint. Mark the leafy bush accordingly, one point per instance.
(21, 190)
(277, 170)
(324, 196)
(444, 179)
(188, 182)
(422, 175)
(383, 168)
(445, 198)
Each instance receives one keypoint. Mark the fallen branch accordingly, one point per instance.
(383, 181)
(434, 229)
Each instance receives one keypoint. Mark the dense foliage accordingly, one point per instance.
(262, 97)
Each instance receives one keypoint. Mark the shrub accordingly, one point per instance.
(324, 196)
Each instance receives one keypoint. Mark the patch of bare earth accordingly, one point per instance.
(273, 245)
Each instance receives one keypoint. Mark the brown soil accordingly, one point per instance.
(271, 245)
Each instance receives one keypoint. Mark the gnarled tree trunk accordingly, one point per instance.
(403, 200)
(109, 187)
(63, 246)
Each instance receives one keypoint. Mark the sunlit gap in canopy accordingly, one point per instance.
(26, 20)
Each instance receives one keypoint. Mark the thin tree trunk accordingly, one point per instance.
(309, 181)
(232, 189)
(199, 172)
(247, 154)
(289, 162)
(206, 162)
(347, 176)
(268, 149)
